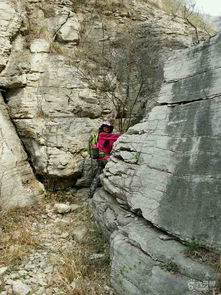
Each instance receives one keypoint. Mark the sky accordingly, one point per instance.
(212, 7)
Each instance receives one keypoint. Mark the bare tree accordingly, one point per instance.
(188, 10)
(134, 71)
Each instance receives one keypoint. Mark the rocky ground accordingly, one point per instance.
(61, 252)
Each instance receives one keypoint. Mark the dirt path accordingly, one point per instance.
(66, 254)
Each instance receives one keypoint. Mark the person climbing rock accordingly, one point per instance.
(104, 145)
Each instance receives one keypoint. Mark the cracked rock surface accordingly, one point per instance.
(19, 186)
(166, 171)
(51, 85)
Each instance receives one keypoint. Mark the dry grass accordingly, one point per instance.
(74, 264)
(177, 8)
(16, 238)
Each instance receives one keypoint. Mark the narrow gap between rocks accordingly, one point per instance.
(174, 104)
(4, 94)
(191, 76)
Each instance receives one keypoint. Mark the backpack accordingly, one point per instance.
(93, 150)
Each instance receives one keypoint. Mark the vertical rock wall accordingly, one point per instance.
(18, 186)
(49, 52)
(162, 184)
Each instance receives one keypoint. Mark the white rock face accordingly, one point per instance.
(20, 288)
(79, 233)
(166, 172)
(3, 270)
(53, 80)
(10, 21)
(69, 32)
(65, 208)
(40, 45)
(62, 208)
(17, 181)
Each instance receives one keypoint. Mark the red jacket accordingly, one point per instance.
(105, 143)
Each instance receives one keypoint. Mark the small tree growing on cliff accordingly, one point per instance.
(134, 72)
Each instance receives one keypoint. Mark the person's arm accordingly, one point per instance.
(110, 136)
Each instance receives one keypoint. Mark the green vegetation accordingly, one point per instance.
(170, 266)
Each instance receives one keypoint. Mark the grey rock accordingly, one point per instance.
(73, 284)
(165, 174)
(49, 269)
(19, 186)
(20, 288)
(62, 208)
(74, 207)
(96, 256)
(179, 146)
(11, 17)
(51, 96)
(79, 233)
(137, 252)
(41, 291)
(64, 235)
(65, 208)
(3, 270)
(69, 32)
(40, 45)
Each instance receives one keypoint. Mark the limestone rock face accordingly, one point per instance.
(17, 181)
(11, 15)
(69, 32)
(54, 83)
(167, 171)
(138, 251)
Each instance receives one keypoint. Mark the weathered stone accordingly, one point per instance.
(11, 15)
(96, 256)
(137, 251)
(69, 32)
(179, 146)
(193, 75)
(3, 270)
(20, 288)
(79, 233)
(40, 45)
(52, 84)
(62, 208)
(166, 170)
(74, 207)
(17, 181)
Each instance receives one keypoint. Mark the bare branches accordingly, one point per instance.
(133, 62)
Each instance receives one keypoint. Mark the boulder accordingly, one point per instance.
(19, 288)
(69, 31)
(18, 184)
(138, 252)
(161, 188)
(40, 45)
(179, 144)
(11, 15)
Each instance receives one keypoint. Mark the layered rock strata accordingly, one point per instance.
(17, 181)
(51, 76)
(164, 176)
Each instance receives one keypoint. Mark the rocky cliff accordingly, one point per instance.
(160, 195)
(161, 188)
(18, 184)
(53, 68)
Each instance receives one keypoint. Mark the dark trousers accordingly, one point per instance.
(96, 181)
